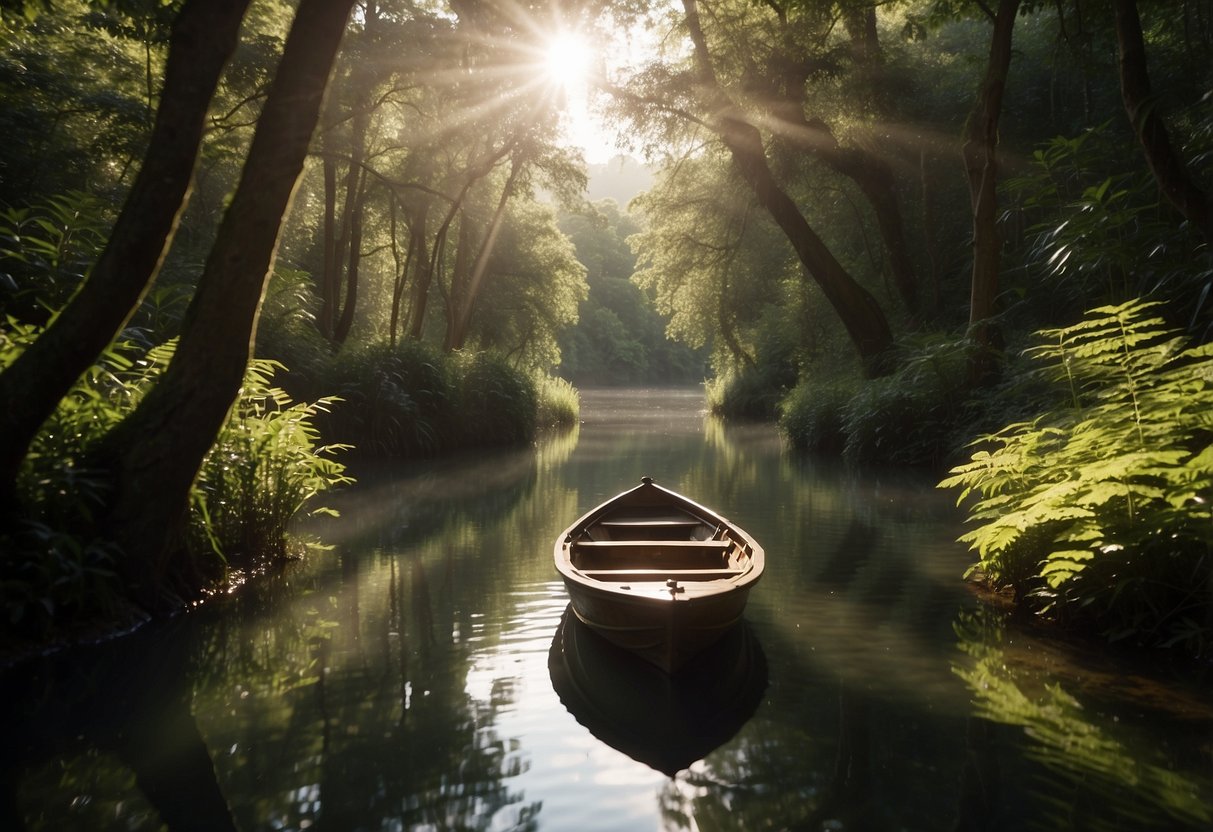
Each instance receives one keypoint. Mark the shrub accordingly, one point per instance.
(262, 470)
(46, 250)
(559, 402)
(497, 403)
(911, 417)
(753, 392)
(392, 401)
(811, 415)
(1100, 508)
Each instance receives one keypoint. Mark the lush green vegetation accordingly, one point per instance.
(1099, 508)
(266, 467)
(619, 337)
(864, 213)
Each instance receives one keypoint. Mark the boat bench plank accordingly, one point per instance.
(699, 545)
(652, 522)
(651, 554)
(649, 574)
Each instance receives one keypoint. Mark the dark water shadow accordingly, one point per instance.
(665, 721)
(130, 697)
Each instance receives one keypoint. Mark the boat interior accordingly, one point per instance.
(656, 544)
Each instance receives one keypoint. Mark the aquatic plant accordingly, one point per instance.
(1099, 508)
(559, 402)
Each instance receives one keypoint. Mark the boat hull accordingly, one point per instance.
(665, 631)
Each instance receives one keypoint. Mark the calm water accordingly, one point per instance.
(421, 674)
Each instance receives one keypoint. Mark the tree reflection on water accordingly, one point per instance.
(404, 679)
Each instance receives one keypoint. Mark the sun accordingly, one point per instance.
(566, 61)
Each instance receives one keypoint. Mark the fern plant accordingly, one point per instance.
(263, 470)
(1101, 506)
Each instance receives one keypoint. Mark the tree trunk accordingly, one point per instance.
(346, 321)
(420, 257)
(400, 271)
(460, 277)
(349, 244)
(858, 310)
(330, 277)
(466, 304)
(1166, 165)
(875, 179)
(203, 38)
(425, 277)
(981, 166)
(155, 453)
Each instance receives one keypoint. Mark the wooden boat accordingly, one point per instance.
(658, 574)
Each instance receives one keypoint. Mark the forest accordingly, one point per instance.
(244, 242)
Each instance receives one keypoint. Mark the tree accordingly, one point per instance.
(981, 166)
(155, 453)
(204, 35)
(788, 51)
(1148, 125)
(858, 310)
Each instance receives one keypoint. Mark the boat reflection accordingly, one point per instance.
(665, 721)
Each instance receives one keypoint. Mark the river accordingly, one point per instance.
(420, 673)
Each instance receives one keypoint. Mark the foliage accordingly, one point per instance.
(532, 291)
(495, 403)
(392, 401)
(752, 391)
(46, 250)
(1100, 507)
(412, 400)
(1097, 233)
(912, 417)
(619, 337)
(76, 102)
(811, 414)
(559, 402)
(263, 469)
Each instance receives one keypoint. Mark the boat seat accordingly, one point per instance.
(651, 554)
(652, 522)
(660, 574)
(654, 527)
(697, 545)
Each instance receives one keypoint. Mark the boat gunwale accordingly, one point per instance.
(751, 572)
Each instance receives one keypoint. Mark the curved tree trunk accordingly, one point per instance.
(156, 452)
(203, 38)
(858, 310)
(981, 165)
(875, 179)
(1166, 165)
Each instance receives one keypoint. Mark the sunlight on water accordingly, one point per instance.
(424, 673)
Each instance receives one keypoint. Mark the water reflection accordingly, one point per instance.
(1081, 750)
(403, 679)
(106, 717)
(666, 722)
